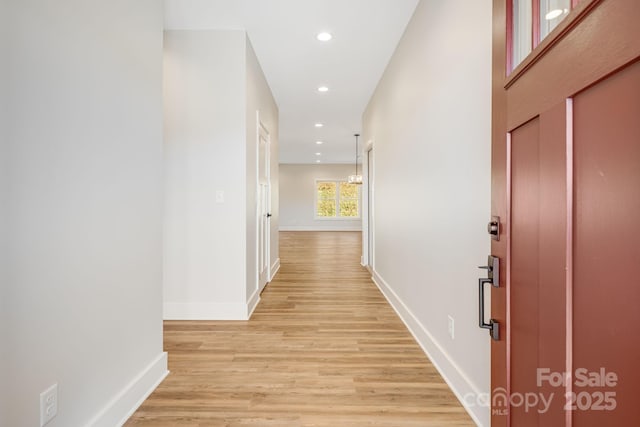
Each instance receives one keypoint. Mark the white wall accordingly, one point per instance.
(211, 82)
(297, 197)
(429, 122)
(3, 214)
(205, 150)
(261, 100)
(84, 208)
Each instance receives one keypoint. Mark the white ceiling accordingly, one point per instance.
(283, 34)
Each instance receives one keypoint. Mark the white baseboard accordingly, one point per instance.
(205, 311)
(318, 228)
(274, 269)
(253, 303)
(448, 369)
(129, 399)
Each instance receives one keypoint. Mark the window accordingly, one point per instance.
(551, 13)
(531, 22)
(522, 33)
(337, 199)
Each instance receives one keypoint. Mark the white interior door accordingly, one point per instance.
(264, 206)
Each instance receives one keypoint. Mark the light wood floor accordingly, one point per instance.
(323, 348)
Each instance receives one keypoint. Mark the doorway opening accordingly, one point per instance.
(264, 206)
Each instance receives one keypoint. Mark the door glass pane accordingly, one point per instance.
(551, 13)
(522, 30)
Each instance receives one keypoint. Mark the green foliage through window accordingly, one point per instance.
(327, 208)
(337, 199)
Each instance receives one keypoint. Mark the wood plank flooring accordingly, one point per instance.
(323, 348)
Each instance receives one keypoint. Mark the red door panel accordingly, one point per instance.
(607, 246)
(552, 257)
(538, 260)
(525, 266)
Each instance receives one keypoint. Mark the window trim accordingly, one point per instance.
(337, 217)
(578, 11)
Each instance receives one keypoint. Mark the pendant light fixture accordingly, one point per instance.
(356, 179)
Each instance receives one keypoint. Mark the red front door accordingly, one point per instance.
(566, 185)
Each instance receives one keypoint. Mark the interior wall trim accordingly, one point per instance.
(316, 228)
(129, 399)
(205, 311)
(455, 378)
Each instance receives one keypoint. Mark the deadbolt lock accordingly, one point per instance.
(493, 228)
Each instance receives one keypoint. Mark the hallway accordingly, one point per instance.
(323, 348)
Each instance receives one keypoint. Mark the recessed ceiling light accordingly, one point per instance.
(318, 154)
(324, 37)
(319, 142)
(323, 89)
(554, 14)
(319, 125)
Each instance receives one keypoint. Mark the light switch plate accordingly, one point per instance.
(451, 327)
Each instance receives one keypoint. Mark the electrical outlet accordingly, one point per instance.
(450, 327)
(219, 196)
(48, 404)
